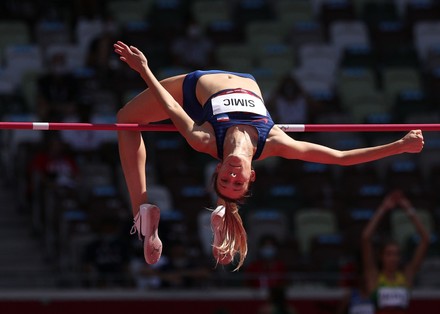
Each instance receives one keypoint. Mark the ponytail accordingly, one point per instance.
(234, 235)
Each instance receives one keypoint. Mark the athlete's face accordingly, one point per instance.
(234, 176)
(391, 257)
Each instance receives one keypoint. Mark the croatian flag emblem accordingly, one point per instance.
(222, 117)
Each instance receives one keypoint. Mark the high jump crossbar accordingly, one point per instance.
(48, 126)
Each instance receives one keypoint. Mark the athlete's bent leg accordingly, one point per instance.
(144, 108)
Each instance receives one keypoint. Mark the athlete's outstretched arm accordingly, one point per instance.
(195, 135)
(370, 269)
(286, 147)
(414, 264)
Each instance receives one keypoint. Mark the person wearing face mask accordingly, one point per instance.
(268, 270)
(222, 114)
(389, 284)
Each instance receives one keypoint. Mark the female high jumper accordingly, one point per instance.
(388, 283)
(222, 114)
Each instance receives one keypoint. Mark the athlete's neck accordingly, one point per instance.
(390, 274)
(240, 140)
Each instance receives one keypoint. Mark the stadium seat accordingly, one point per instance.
(359, 56)
(289, 12)
(402, 227)
(207, 12)
(311, 222)
(427, 277)
(51, 33)
(420, 10)
(411, 103)
(22, 59)
(235, 57)
(390, 36)
(247, 11)
(426, 37)
(399, 79)
(336, 10)
(313, 82)
(161, 196)
(304, 32)
(322, 57)
(405, 175)
(376, 11)
(13, 32)
(264, 32)
(346, 34)
(355, 83)
(128, 11)
(367, 104)
(264, 222)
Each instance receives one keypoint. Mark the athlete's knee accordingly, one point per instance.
(122, 116)
(127, 115)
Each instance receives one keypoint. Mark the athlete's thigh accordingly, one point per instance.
(145, 108)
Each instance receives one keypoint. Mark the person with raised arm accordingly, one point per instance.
(220, 113)
(388, 283)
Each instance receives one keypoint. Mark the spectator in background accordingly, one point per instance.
(100, 56)
(194, 49)
(84, 141)
(289, 103)
(180, 271)
(56, 90)
(388, 284)
(357, 299)
(268, 270)
(106, 258)
(277, 303)
(144, 276)
(54, 164)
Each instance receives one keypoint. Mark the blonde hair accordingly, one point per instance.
(232, 229)
(234, 234)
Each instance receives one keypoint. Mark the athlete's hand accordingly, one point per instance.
(132, 56)
(404, 202)
(389, 202)
(413, 141)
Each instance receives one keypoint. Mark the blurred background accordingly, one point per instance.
(65, 216)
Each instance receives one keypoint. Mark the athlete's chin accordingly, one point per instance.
(234, 160)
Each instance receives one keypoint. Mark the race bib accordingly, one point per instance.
(238, 103)
(393, 297)
(362, 309)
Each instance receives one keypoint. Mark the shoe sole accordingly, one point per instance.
(152, 242)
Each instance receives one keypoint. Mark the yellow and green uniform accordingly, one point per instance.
(391, 296)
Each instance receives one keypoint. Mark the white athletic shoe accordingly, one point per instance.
(146, 223)
(217, 219)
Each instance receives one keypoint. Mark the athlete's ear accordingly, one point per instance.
(217, 168)
(253, 176)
